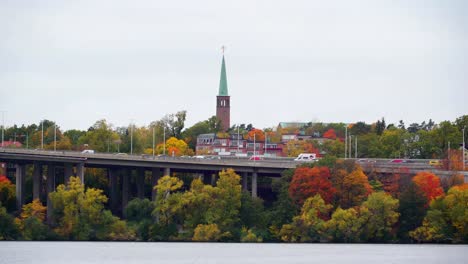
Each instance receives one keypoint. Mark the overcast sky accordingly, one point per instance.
(76, 62)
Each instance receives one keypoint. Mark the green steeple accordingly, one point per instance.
(223, 90)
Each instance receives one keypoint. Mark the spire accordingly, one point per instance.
(223, 90)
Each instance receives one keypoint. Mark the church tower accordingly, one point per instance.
(223, 104)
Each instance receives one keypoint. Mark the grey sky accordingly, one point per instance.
(333, 61)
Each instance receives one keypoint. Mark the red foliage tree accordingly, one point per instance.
(307, 182)
(429, 183)
(330, 134)
(3, 178)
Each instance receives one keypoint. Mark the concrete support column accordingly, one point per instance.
(68, 172)
(80, 171)
(254, 184)
(244, 181)
(20, 179)
(155, 174)
(167, 171)
(50, 188)
(37, 174)
(113, 185)
(213, 179)
(125, 180)
(140, 182)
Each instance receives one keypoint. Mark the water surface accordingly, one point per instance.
(134, 252)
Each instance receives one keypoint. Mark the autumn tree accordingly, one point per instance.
(356, 188)
(80, 214)
(207, 233)
(31, 221)
(175, 146)
(379, 213)
(295, 147)
(308, 182)
(330, 134)
(257, 134)
(351, 184)
(447, 218)
(429, 184)
(7, 193)
(345, 225)
(309, 225)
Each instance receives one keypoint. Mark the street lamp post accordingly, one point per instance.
(350, 146)
(254, 147)
(463, 149)
(42, 134)
(131, 139)
(3, 128)
(55, 137)
(346, 141)
(153, 142)
(164, 141)
(237, 141)
(355, 147)
(266, 141)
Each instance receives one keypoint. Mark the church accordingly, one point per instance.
(234, 145)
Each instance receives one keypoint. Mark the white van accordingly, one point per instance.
(88, 151)
(306, 157)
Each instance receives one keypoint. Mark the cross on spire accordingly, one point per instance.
(223, 48)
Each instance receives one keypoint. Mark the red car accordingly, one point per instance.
(398, 161)
(255, 158)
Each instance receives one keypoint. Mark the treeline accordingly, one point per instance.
(329, 201)
(427, 140)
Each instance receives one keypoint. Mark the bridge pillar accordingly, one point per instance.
(167, 171)
(68, 172)
(125, 179)
(244, 181)
(20, 179)
(113, 182)
(80, 171)
(254, 184)
(50, 188)
(213, 178)
(155, 174)
(37, 175)
(140, 182)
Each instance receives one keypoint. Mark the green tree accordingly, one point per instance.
(412, 210)
(379, 215)
(344, 226)
(31, 221)
(138, 214)
(80, 214)
(309, 225)
(8, 228)
(99, 137)
(447, 218)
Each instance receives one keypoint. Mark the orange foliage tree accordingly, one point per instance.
(429, 183)
(295, 147)
(7, 193)
(330, 134)
(259, 135)
(356, 188)
(307, 182)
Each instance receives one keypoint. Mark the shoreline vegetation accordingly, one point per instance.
(331, 201)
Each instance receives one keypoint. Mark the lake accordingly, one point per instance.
(135, 252)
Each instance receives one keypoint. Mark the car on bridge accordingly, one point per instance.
(255, 157)
(435, 163)
(398, 161)
(88, 151)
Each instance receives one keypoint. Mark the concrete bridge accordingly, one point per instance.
(120, 166)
